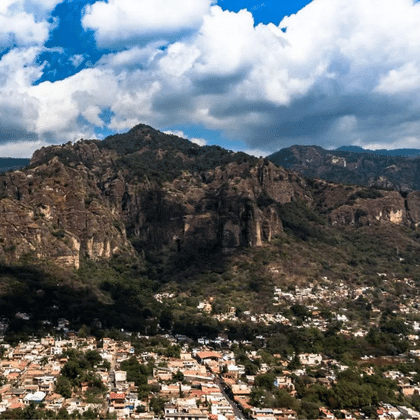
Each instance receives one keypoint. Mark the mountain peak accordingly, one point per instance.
(356, 149)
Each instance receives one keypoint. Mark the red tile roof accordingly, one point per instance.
(116, 396)
(209, 354)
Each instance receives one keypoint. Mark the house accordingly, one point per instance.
(326, 414)
(117, 400)
(284, 382)
(310, 359)
(36, 397)
(241, 390)
(204, 356)
(408, 413)
(263, 414)
(173, 413)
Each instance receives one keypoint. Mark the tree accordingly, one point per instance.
(43, 361)
(295, 363)
(265, 381)
(84, 331)
(178, 377)
(256, 397)
(93, 357)
(157, 404)
(71, 369)
(143, 391)
(63, 387)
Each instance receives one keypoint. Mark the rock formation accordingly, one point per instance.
(85, 200)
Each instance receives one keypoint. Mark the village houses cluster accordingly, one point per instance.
(213, 386)
(333, 296)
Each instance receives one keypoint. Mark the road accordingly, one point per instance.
(236, 411)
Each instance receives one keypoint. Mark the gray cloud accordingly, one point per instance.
(338, 75)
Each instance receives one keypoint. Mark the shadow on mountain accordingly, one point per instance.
(46, 298)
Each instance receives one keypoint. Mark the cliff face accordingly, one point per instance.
(369, 169)
(359, 206)
(78, 200)
(87, 199)
(56, 212)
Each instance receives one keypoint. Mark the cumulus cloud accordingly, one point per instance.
(21, 29)
(118, 22)
(21, 149)
(39, 8)
(24, 22)
(195, 140)
(334, 73)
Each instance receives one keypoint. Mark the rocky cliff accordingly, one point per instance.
(388, 171)
(146, 189)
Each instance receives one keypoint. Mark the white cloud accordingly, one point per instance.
(61, 103)
(342, 72)
(91, 113)
(76, 60)
(24, 22)
(122, 21)
(21, 149)
(21, 29)
(199, 141)
(404, 79)
(18, 110)
(133, 58)
(40, 8)
(256, 152)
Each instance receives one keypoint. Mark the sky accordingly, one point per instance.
(251, 75)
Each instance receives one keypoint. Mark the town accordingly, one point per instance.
(175, 378)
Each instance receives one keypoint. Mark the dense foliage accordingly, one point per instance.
(160, 157)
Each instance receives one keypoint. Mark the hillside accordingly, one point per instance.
(135, 231)
(408, 153)
(398, 169)
(9, 164)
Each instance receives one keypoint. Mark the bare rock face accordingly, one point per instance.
(22, 232)
(73, 202)
(221, 208)
(392, 208)
(56, 212)
(87, 199)
(385, 171)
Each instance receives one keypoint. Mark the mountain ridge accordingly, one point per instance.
(388, 152)
(144, 214)
(369, 169)
(9, 164)
(144, 188)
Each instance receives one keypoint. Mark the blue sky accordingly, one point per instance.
(253, 75)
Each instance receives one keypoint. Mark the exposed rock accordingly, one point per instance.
(386, 171)
(86, 200)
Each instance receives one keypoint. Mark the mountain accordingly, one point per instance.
(393, 152)
(399, 169)
(145, 189)
(9, 164)
(134, 231)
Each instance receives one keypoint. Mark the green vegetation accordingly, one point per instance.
(365, 193)
(160, 157)
(34, 411)
(80, 369)
(353, 389)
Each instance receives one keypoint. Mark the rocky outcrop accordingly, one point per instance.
(370, 169)
(56, 212)
(393, 207)
(77, 200)
(87, 199)
(220, 208)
